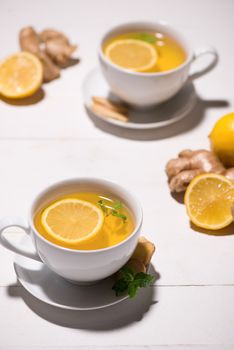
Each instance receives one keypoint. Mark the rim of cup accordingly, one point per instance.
(177, 35)
(138, 214)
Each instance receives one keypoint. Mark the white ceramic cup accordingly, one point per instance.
(78, 266)
(144, 90)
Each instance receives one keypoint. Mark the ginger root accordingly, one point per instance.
(144, 251)
(58, 47)
(136, 265)
(182, 170)
(29, 40)
(51, 47)
(50, 70)
(140, 260)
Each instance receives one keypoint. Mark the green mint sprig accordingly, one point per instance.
(149, 38)
(131, 282)
(114, 210)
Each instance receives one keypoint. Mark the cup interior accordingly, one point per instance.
(162, 27)
(87, 185)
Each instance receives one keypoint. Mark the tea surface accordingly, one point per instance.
(114, 230)
(170, 53)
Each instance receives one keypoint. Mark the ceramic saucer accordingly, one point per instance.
(165, 114)
(52, 289)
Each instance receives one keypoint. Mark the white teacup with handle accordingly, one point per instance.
(78, 266)
(145, 90)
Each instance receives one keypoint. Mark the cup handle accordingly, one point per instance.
(213, 62)
(5, 242)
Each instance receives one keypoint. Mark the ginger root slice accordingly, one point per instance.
(114, 106)
(106, 112)
(140, 260)
(181, 170)
(144, 251)
(136, 265)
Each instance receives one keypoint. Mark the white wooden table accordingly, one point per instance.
(192, 304)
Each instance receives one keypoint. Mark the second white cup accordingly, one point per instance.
(148, 89)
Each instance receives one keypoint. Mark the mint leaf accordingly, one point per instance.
(126, 274)
(132, 289)
(113, 210)
(102, 205)
(120, 287)
(117, 205)
(131, 282)
(144, 279)
(119, 215)
(149, 38)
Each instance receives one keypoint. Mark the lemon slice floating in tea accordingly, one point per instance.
(132, 54)
(20, 75)
(208, 201)
(72, 220)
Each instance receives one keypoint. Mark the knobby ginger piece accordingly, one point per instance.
(29, 40)
(59, 51)
(50, 70)
(57, 46)
(51, 34)
(181, 170)
(180, 182)
(51, 47)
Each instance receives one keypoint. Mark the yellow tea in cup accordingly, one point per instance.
(85, 221)
(146, 52)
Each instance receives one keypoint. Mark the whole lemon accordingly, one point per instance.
(222, 139)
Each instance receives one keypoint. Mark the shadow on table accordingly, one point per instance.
(109, 318)
(190, 121)
(226, 231)
(27, 101)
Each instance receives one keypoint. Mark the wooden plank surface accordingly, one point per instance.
(160, 316)
(51, 138)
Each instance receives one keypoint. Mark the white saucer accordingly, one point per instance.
(165, 114)
(52, 289)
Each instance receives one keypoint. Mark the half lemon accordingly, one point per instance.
(20, 75)
(72, 220)
(208, 201)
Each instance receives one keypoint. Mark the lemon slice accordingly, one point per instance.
(20, 75)
(132, 54)
(72, 220)
(208, 201)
